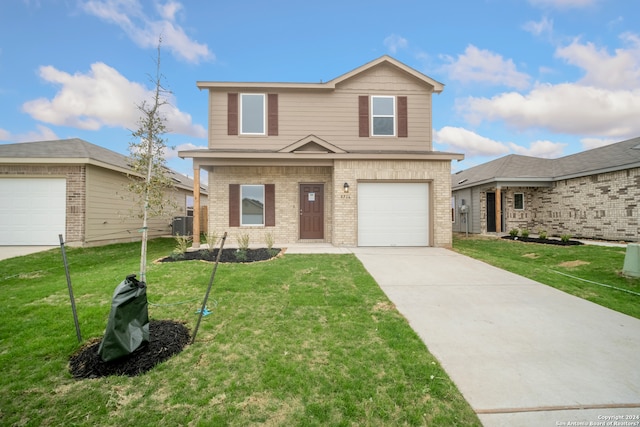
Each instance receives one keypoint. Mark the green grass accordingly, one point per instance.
(542, 263)
(300, 340)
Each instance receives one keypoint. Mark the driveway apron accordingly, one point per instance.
(522, 353)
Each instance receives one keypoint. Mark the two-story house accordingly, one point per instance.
(348, 161)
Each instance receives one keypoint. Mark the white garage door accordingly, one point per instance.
(32, 210)
(393, 214)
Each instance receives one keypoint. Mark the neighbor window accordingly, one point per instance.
(518, 201)
(252, 113)
(252, 204)
(383, 110)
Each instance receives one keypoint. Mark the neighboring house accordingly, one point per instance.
(593, 194)
(349, 161)
(76, 189)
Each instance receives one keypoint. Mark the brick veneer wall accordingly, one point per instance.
(604, 206)
(340, 209)
(76, 185)
(437, 173)
(286, 180)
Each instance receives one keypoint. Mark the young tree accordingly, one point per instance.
(151, 180)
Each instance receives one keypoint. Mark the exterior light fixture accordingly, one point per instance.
(346, 187)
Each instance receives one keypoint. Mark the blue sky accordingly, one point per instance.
(544, 78)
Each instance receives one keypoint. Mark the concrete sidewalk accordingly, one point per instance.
(522, 353)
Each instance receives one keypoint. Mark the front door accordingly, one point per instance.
(311, 211)
(491, 212)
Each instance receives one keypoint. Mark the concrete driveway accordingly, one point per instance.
(521, 353)
(7, 252)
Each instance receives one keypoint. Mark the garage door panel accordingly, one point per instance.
(32, 210)
(393, 214)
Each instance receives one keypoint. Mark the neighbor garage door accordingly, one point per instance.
(32, 210)
(393, 214)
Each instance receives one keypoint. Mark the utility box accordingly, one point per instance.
(632, 260)
(182, 226)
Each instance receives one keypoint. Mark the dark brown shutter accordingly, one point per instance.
(232, 113)
(269, 205)
(403, 127)
(363, 115)
(234, 205)
(272, 114)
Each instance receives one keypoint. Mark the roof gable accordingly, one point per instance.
(311, 144)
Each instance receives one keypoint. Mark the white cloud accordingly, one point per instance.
(484, 66)
(563, 4)
(102, 97)
(618, 71)
(172, 153)
(42, 133)
(604, 103)
(589, 143)
(544, 149)
(395, 42)
(544, 27)
(468, 142)
(130, 16)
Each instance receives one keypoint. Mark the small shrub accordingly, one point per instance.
(182, 244)
(243, 246)
(525, 233)
(542, 234)
(565, 238)
(211, 239)
(513, 232)
(269, 240)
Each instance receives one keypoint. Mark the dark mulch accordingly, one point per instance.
(166, 338)
(228, 255)
(544, 241)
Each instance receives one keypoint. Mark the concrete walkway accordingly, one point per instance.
(521, 353)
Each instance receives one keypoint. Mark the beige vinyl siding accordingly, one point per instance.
(333, 115)
(111, 213)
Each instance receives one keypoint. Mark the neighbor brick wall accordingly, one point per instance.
(604, 206)
(75, 176)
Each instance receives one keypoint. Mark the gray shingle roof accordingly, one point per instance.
(514, 167)
(79, 149)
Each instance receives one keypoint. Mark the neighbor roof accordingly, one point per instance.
(74, 151)
(515, 168)
(331, 84)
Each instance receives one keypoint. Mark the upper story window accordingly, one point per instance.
(252, 113)
(383, 115)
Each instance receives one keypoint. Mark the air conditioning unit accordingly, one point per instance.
(182, 226)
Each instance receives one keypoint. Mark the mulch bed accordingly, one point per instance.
(228, 255)
(543, 241)
(166, 338)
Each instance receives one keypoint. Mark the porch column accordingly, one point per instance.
(196, 206)
(498, 210)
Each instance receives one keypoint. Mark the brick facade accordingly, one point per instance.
(340, 208)
(602, 206)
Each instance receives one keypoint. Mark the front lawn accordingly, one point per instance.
(568, 268)
(300, 340)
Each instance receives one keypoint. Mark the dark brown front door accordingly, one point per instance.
(491, 212)
(312, 211)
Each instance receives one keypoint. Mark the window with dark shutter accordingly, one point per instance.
(363, 115)
(232, 113)
(234, 205)
(270, 205)
(403, 126)
(272, 114)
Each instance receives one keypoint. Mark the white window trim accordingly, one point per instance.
(394, 116)
(514, 202)
(242, 224)
(264, 115)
